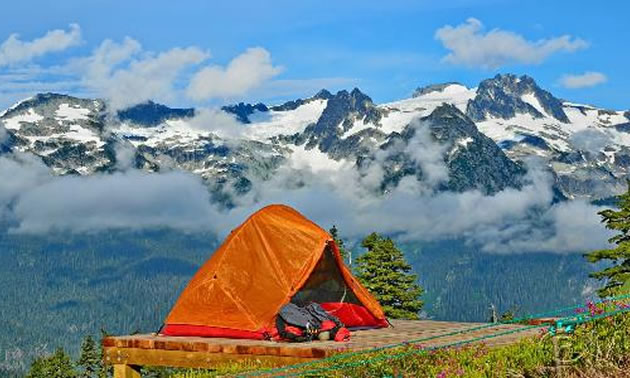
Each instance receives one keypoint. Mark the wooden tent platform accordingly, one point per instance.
(127, 353)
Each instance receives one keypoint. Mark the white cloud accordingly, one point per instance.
(244, 73)
(38, 202)
(587, 79)
(470, 46)
(428, 154)
(217, 121)
(125, 154)
(3, 134)
(13, 50)
(120, 73)
(510, 221)
(590, 140)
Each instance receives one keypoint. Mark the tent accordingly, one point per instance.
(275, 257)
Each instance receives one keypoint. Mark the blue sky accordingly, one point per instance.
(290, 49)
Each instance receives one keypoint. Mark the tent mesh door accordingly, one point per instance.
(325, 284)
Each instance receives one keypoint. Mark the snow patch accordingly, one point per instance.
(464, 142)
(15, 122)
(265, 125)
(71, 113)
(531, 99)
(401, 113)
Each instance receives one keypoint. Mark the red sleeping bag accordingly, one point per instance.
(353, 316)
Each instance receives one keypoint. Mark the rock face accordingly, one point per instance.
(152, 114)
(243, 111)
(502, 97)
(481, 136)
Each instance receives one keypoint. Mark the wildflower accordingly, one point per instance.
(441, 375)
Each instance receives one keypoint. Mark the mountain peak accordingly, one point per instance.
(506, 95)
(242, 111)
(152, 114)
(421, 91)
(323, 94)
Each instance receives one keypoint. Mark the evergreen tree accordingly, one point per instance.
(58, 365)
(385, 273)
(617, 275)
(334, 232)
(89, 360)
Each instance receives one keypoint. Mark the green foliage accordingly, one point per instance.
(90, 359)
(617, 275)
(58, 365)
(334, 232)
(385, 273)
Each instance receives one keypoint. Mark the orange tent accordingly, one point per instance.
(275, 257)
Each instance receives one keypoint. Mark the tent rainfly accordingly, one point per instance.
(275, 257)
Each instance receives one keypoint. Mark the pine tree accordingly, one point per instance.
(385, 273)
(89, 360)
(58, 365)
(334, 232)
(617, 276)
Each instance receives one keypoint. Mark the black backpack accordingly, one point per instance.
(298, 324)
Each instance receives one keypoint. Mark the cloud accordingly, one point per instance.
(510, 221)
(125, 154)
(562, 228)
(3, 135)
(14, 51)
(470, 46)
(118, 72)
(587, 79)
(26, 171)
(217, 121)
(244, 73)
(39, 202)
(428, 154)
(590, 140)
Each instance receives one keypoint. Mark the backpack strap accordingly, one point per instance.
(293, 333)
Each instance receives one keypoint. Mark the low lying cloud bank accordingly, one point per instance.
(38, 202)
(510, 221)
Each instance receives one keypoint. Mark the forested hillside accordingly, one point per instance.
(59, 288)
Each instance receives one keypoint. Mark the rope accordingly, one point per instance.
(430, 338)
(428, 349)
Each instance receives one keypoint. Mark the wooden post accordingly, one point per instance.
(126, 371)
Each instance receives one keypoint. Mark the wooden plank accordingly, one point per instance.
(126, 371)
(199, 352)
(178, 358)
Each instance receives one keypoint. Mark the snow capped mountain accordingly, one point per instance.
(481, 135)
